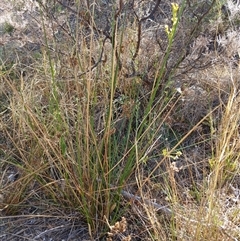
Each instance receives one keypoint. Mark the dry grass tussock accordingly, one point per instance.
(116, 127)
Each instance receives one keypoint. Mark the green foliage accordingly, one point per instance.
(8, 28)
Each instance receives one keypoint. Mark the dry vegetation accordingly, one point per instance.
(114, 126)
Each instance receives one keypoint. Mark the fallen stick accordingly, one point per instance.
(160, 208)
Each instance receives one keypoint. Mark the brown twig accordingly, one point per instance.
(140, 28)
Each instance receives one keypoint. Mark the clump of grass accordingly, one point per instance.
(58, 144)
(92, 120)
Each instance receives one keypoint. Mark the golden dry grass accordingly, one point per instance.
(120, 132)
